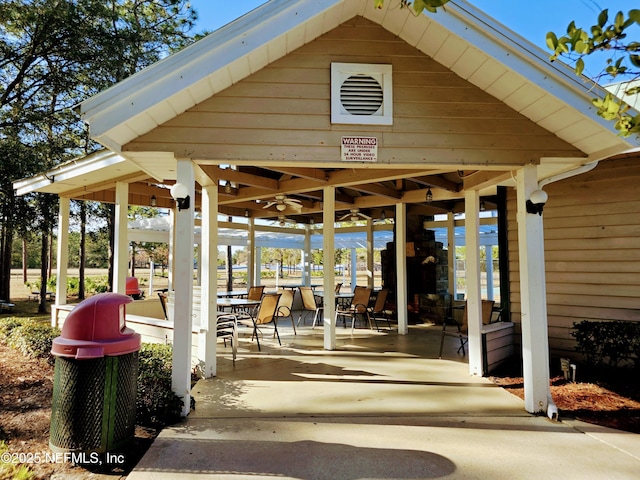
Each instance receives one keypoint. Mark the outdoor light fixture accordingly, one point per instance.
(483, 206)
(180, 194)
(383, 215)
(228, 188)
(429, 195)
(154, 201)
(536, 201)
(246, 212)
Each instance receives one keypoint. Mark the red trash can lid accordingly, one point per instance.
(96, 327)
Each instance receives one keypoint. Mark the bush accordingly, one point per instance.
(7, 325)
(608, 343)
(33, 339)
(96, 284)
(156, 404)
(73, 285)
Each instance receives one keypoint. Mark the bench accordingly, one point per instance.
(6, 306)
(35, 295)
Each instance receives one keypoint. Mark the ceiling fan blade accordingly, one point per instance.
(269, 204)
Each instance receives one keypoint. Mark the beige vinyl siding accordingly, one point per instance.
(592, 250)
(282, 112)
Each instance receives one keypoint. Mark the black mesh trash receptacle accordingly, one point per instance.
(95, 379)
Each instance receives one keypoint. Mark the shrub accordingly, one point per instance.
(33, 339)
(156, 404)
(7, 325)
(97, 284)
(73, 285)
(608, 343)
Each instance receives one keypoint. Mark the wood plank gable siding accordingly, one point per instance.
(282, 112)
(592, 250)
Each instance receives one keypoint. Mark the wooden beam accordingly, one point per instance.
(340, 178)
(376, 189)
(484, 179)
(240, 178)
(419, 196)
(349, 177)
(439, 182)
(316, 174)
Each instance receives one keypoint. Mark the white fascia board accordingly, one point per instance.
(67, 171)
(178, 72)
(524, 58)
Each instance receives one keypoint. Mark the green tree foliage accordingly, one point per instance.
(607, 35)
(54, 54)
(418, 6)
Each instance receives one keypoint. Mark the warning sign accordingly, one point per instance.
(359, 149)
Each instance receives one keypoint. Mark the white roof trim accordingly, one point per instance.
(69, 171)
(173, 76)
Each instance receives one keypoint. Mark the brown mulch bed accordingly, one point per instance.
(609, 400)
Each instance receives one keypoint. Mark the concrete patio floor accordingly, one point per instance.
(379, 406)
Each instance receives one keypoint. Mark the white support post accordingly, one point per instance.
(488, 254)
(151, 274)
(370, 247)
(401, 269)
(183, 285)
(63, 252)
(451, 254)
(354, 269)
(121, 243)
(329, 267)
(172, 244)
(533, 295)
(207, 337)
(474, 292)
(258, 262)
(251, 258)
(306, 257)
(199, 248)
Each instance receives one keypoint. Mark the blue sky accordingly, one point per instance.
(530, 18)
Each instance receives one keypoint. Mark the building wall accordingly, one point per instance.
(281, 113)
(592, 250)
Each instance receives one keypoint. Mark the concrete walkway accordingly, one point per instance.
(380, 406)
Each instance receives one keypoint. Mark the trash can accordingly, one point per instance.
(132, 288)
(95, 378)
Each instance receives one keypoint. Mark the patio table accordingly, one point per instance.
(232, 293)
(235, 304)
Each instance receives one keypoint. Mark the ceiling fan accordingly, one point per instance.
(282, 221)
(282, 202)
(355, 215)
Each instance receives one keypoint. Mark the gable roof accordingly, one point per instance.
(461, 37)
(464, 40)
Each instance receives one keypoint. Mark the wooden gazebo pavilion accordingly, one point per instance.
(268, 109)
